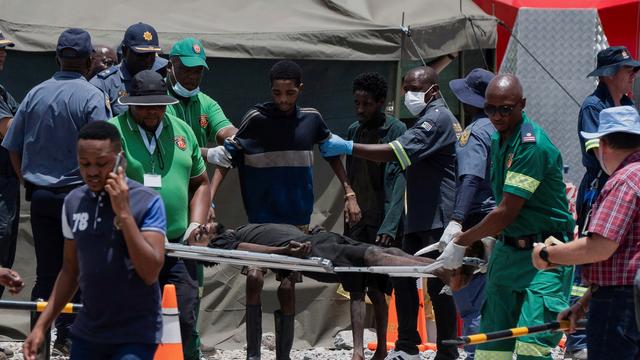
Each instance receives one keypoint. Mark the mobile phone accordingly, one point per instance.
(118, 162)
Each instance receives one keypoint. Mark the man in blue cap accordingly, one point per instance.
(616, 71)
(41, 144)
(610, 252)
(474, 198)
(140, 47)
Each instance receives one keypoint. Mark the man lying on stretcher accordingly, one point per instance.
(340, 250)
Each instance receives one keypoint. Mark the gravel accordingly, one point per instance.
(309, 354)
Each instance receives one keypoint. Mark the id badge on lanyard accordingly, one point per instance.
(152, 180)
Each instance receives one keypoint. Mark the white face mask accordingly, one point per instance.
(601, 161)
(414, 101)
(182, 91)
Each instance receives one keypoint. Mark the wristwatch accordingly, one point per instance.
(544, 255)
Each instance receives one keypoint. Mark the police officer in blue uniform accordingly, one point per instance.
(616, 72)
(139, 52)
(41, 143)
(474, 198)
(9, 184)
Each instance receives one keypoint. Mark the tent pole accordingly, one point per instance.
(397, 95)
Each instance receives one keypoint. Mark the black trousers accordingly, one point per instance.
(182, 273)
(48, 241)
(407, 303)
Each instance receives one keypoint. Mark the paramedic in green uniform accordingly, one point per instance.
(187, 62)
(526, 177)
(162, 153)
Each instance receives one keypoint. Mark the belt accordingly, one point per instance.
(526, 242)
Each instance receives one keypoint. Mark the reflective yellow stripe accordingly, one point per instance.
(578, 290)
(592, 144)
(40, 305)
(528, 349)
(521, 181)
(402, 156)
(493, 355)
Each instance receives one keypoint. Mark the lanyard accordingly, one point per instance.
(151, 146)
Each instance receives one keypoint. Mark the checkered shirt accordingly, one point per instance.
(617, 217)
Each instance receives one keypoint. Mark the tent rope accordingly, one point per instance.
(475, 36)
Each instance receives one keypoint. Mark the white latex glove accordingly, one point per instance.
(452, 256)
(453, 228)
(219, 156)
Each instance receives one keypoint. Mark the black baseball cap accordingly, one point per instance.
(5, 42)
(76, 40)
(470, 90)
(148, 88)
(141, 38)
(611, 59)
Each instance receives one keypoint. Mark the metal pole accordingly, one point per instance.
(512, 333)
(36, 306)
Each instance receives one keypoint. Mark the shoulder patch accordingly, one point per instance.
(526, 134)
(464, 137)
(457, 129)
(426, 125)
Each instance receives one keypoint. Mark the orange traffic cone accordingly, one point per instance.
(422, 321)
(392, 325)
(170, 347)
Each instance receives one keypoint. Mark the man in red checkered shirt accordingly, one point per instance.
(612, 248)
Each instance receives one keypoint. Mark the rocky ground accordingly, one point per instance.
(343, 344)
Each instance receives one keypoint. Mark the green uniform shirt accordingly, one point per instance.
(203, 114)
(176, 158)
(528, 165)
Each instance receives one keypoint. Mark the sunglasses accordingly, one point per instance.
(503, 110)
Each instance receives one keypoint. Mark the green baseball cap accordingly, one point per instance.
(190, 51)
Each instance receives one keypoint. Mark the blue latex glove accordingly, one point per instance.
(336, 146)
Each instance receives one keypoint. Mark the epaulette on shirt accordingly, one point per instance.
(106, 73)
(526, 134)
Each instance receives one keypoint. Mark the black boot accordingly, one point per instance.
(284, 335)
(254, 331)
